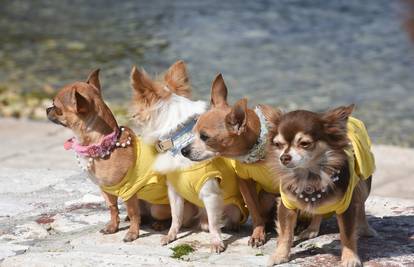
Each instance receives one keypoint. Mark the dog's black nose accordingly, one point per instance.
(185, 151)
(285, 159)
(48, 110)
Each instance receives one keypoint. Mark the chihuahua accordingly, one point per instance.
(325, 166)
(239, 133)
(165, 116)
(113, 157)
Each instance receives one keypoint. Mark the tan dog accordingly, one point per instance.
(239, 133)
(325, 165)
(165, 116)
(110, 153)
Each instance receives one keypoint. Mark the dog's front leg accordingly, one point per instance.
(112, 204)
(349, 235)
(211, 196)
(177, 215)
(132, 207)
(248, 191)
(286, 222)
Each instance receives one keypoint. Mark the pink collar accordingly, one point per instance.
(102, 149)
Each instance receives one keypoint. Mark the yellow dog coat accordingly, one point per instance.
(188, 183)
(259, 172)
(361, 166)
(141, 180)
(250, 166)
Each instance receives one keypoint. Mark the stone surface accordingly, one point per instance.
(61, 227)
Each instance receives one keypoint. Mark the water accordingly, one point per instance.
(291, 54)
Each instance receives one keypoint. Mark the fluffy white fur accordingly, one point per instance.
(211, 196)
(177, 215)
(168, 114)
(166, 117)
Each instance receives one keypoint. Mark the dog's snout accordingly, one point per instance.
(185, 151)
(48, 110)
(285, 159)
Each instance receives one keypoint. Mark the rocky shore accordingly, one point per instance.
(50, 214)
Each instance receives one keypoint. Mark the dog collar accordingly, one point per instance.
(311, 194)
(101, 149)
(258, 152)
(178, 139)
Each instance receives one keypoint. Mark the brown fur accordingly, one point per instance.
(147, 92)
(177, 79)
(231, 131)
(80, 107)
(320, 139)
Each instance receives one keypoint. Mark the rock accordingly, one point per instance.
(86, 199)
(30, 230)
(65, 223)
(7, 250)
(392, 218)
(9, 207)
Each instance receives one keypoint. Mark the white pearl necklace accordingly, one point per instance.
(91, 160)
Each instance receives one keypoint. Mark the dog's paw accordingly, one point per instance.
(351, 262)
(308, 234)
(131, 236)
(165, 240)
(217, 246)
(258, 237)
(277, 259)
(350, 259)
(109, 229)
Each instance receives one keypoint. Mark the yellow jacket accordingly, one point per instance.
(361, 166)
(260, 173)
(141, 180)
(188, 182)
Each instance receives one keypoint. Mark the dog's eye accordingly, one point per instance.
(305, 144)
(278, 145)
(58, 111)
(204, 137)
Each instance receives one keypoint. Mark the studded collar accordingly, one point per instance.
(258, 151)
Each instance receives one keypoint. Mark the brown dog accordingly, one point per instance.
(110, 152)
(319, 161)
(239, 133)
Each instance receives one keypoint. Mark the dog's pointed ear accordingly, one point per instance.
(140, 81)
(144, 86)
(93, 79)
(80, 103)
(335, 120)
(272, 116)
(177, 79)
(236, 120)
(219, 92)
